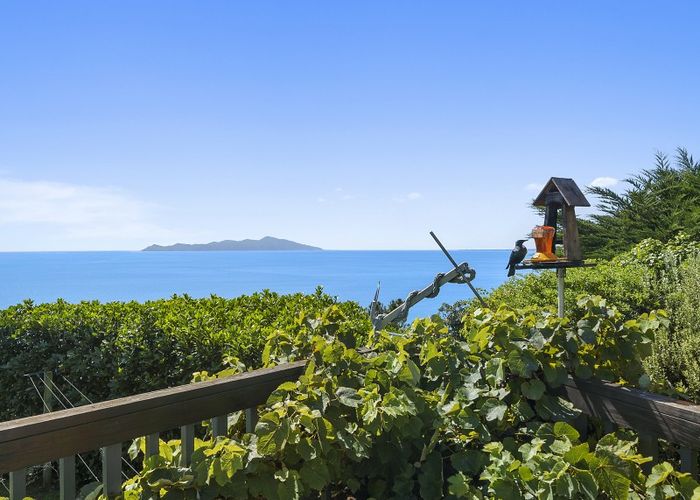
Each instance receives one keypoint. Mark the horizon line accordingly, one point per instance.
(269, 251)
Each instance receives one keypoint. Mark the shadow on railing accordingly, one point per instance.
(62, 434)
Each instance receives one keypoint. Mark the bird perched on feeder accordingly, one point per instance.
(516, 256)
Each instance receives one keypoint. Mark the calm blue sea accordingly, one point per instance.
(349, 275)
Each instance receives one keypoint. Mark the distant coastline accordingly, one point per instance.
(266, 243)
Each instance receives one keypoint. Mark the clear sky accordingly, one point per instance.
(347, 125)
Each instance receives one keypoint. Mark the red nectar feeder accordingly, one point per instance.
(544, 237)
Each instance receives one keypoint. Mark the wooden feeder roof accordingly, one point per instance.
(568, 189)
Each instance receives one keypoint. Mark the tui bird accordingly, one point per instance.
(516, 256)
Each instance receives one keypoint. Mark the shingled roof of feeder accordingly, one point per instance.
(567, 188)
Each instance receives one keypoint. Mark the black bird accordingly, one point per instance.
(516, 256)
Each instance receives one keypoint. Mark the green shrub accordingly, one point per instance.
(675, 361)
(623, 283)
(652, 275)
(429, 415)
(116, 349)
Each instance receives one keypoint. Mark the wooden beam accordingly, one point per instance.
(652, 414)
(572, 243)
(38, 439)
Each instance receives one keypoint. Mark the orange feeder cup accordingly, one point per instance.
(543, 236)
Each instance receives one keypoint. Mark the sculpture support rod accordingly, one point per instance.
(458, 272)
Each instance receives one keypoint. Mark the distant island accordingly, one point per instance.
(266, 243)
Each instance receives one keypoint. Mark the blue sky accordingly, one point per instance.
(347, 125)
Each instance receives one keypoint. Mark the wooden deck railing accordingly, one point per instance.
(653, 416)
(63, 434)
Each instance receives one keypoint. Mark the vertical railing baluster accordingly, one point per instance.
(152, 445)
(186, 444)
(580, 423)
(48, 408)
(689, 460)
(251, 419)
(66, 477)
(649, 447)
(18, 484)
(112, 470)
(219, 426)
(609, 426)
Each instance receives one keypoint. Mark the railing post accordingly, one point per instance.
(219, 426)
(66, 475)
(18, 484)
(251, 419)
(48, 408)
(580, 423)
(186, 444)
(649, 447)
(689, 460)
(609, 426)
(112, 470)
(152, 445)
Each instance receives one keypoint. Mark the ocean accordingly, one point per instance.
(349, 275)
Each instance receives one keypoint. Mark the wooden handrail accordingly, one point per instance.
(671, 419)
(42, 438)
(62, 434)
(653, 416)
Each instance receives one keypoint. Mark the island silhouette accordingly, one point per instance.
(266, 243)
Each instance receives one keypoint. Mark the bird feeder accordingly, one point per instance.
(563, 194)
(559, 194)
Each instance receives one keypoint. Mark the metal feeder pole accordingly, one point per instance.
(561, 273)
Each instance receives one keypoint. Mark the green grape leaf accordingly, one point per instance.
(494, 409)
(315, 474)
(348, 396)
(533, 389)
(522, 363)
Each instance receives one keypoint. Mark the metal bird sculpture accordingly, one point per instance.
(516, 256)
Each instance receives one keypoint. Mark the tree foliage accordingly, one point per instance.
(658, 203)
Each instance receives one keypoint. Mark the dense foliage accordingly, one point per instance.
(429, 415)
(658, 203)
(675, 279)
(651, 275)
(116, 349)
(626, 289)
